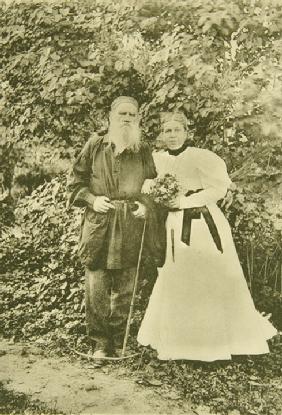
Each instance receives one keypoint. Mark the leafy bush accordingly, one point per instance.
(42, 295)
(43, 278)
(257, 238)
(61, 65)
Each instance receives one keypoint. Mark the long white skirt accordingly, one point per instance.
(201, 307)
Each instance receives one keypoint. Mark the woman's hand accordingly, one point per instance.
(174, 204)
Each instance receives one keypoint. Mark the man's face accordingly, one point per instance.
(124, 129)
(124, 115)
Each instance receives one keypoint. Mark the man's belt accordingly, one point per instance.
(195, 213)
(128, 202)
(124, 205)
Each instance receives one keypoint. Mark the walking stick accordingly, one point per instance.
(129, 315)
(133, 293)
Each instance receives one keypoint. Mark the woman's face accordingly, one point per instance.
(174, 134)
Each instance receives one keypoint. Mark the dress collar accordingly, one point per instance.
(106, 139)
(178, 150)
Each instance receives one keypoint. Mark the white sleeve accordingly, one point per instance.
(214, 180)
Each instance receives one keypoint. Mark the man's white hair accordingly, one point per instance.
(127, 137)
(124, 136)
(124, 99)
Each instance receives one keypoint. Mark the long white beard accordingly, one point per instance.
(124, 137)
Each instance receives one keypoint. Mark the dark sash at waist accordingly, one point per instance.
(195, 213)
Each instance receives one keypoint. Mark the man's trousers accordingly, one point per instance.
(108, 294)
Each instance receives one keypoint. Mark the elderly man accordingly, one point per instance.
(107, 179)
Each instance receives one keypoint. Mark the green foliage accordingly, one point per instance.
(250, 385)
(8, 157)
(19, 403)
(6, 213)
(42, 289)
(42, 295)
(61, 65)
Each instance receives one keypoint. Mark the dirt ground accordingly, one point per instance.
(69, 385)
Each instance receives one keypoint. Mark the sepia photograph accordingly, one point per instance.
(141, 207)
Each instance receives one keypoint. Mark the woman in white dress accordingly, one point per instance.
(200, 307)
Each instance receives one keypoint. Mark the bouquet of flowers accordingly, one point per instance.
(164, 189)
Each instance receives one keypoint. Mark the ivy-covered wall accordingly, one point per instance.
(63, 62)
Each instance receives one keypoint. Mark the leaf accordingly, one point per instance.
(44, 57)
(118, 66)
(172, 395)
(86, 63)
(251, 382)
(153, 382)
(53, 265)
(17, 232)
(149, 22)
(55, 190)
(44, 218)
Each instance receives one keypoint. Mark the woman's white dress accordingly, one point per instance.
(201, 307)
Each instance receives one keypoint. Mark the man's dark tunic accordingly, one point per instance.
(111, 240)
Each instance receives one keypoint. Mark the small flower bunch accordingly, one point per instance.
(164, 189)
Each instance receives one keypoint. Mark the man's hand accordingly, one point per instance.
(141, 211)
(102, 204)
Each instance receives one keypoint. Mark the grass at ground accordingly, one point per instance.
(249, 385)
(20, 403)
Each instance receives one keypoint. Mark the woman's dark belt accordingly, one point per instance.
(195, 213)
